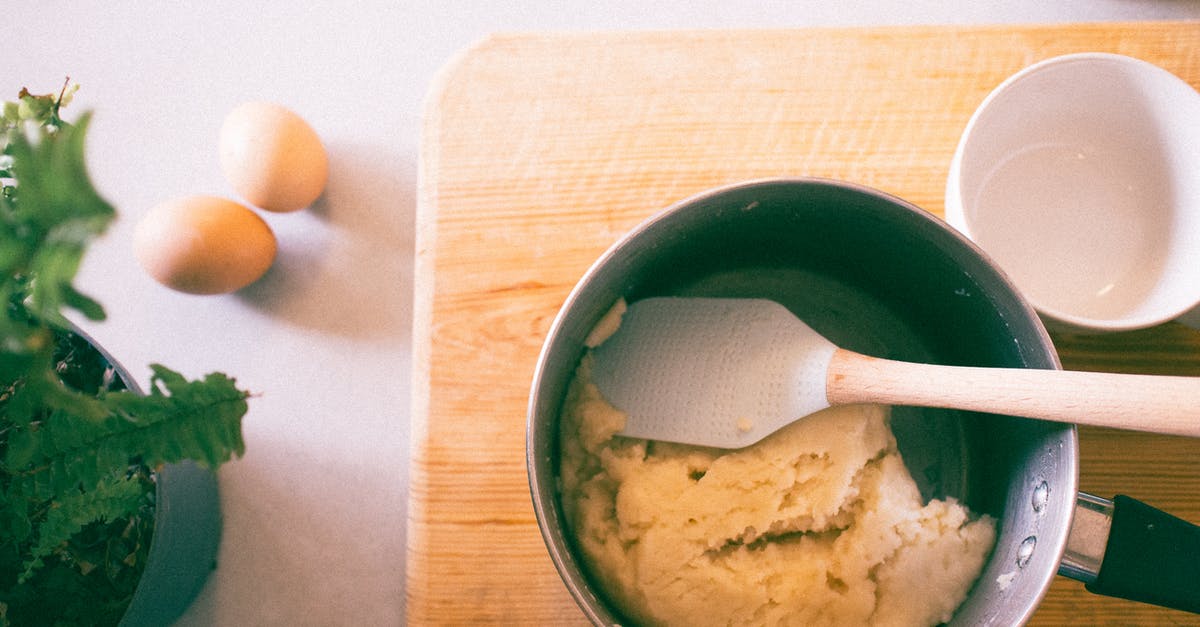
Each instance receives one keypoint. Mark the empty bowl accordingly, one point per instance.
(1080, 176)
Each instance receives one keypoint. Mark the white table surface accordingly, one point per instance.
(315, 510)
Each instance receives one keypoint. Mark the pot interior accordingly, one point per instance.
(874, 275)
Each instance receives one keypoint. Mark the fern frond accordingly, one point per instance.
(111, 498)
(59, 213)
(177, 420)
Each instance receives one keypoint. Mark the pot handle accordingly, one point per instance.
(1147, 555)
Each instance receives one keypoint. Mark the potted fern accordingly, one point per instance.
(108, 508)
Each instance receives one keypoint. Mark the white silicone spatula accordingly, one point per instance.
(728, 372)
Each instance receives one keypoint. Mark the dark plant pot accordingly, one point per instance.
(187, 533)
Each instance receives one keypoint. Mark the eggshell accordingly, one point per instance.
(272, 157)
(204, 245)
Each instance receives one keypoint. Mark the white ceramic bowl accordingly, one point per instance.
(1080, 176)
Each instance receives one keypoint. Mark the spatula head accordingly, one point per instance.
(719, 372)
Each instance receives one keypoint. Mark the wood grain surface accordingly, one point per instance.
(540, 150)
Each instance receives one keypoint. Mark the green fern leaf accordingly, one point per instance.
(177, 420)
(112, 498)
(59, 213)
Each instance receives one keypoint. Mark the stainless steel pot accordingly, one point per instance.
(880, 276)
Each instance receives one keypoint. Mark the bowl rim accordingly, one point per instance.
(955, 205)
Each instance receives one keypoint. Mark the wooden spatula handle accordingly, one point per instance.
(1157, 404)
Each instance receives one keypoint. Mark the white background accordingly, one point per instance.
(315, 511)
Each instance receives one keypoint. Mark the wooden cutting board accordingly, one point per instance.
(540, 150)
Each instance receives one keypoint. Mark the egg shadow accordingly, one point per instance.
(345, 264)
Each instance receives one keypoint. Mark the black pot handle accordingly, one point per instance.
(1150, 556)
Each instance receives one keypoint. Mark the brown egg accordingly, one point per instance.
(204, 245)
(272, 157)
